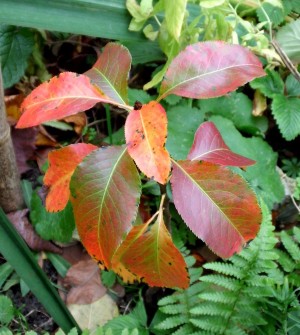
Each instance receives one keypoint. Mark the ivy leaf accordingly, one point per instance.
(62, 96)
(220, 207)
(210, 69)
(209, 146)
(16, 45)
(146, 132)
(151, 254)
(105, 193)
(63, 162)
(110, 72)
(287, 115)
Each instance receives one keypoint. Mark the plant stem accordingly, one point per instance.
(166, 207)
(10, 188)
(108, 120)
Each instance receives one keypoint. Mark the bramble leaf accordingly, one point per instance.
(216, 204)
(210, 69)
(105, 193)
(65, 95)
(146, 132)
(151, 254)
(287, 116)
(63, 162)
(110, 72)
(209, 146)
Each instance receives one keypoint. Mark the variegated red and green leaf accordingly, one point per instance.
(105, 193)
(146, 132)
(61, 96)
(216, 204)
(150, 253)
(210, 69)
(62, 163)
(209, 146)
(111, 71)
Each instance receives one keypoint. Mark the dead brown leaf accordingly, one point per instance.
(13, 112)
(79, 120)
(25, 229)
(24, 146)
(84, 281)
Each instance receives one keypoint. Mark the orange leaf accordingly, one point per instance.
(146, 132)
(65, 95)
(63, 162)
(151, 255)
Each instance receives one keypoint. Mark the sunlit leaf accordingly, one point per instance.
(175, 16)
(63, 162)
(210, 69)
(145, 132)
(105, 192)
(65, 95)
(151, 254)
(209, 146)
(110, 72)
(216, 204)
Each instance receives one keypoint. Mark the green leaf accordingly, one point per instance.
(58, 125)
(288, 37)
(5, 271)
(6, 310)
(274, 10)
(292, 86)
(16, 44)
(286, 112)
(52, 226)
(270, 84)
(60, 264)
(174, 16)
(262, 176)
(183, 121)
(17, 253)
(138, 95)
(238, 108)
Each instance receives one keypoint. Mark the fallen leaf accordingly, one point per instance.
(25, 229)
(79, 120)
(96, 314)
(24, 146)
(13, 111)
(84, 280)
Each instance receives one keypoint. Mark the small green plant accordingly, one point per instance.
(291, 167)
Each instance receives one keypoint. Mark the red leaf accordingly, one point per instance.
(146, 132)
(63, 162)
(151, 254)
(110, 72)
(216, 204)
(105, 192)
(209, 146)
(210, 69)
(62, 96)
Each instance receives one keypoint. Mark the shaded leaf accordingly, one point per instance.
(52, 226)
(183, 121)
(209, 146)
(62, 163)
(292, 86)
(110, 72)
(105, 189)
(25, 229)
(269, 85)
(65, 95)
(145, 132)
(150, 253)
(216, 204)
(16, 45)
(7, 310)
(210, 69)
(287, 115)
(24, 146)
(83, 279)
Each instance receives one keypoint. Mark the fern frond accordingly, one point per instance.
(291, 246)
